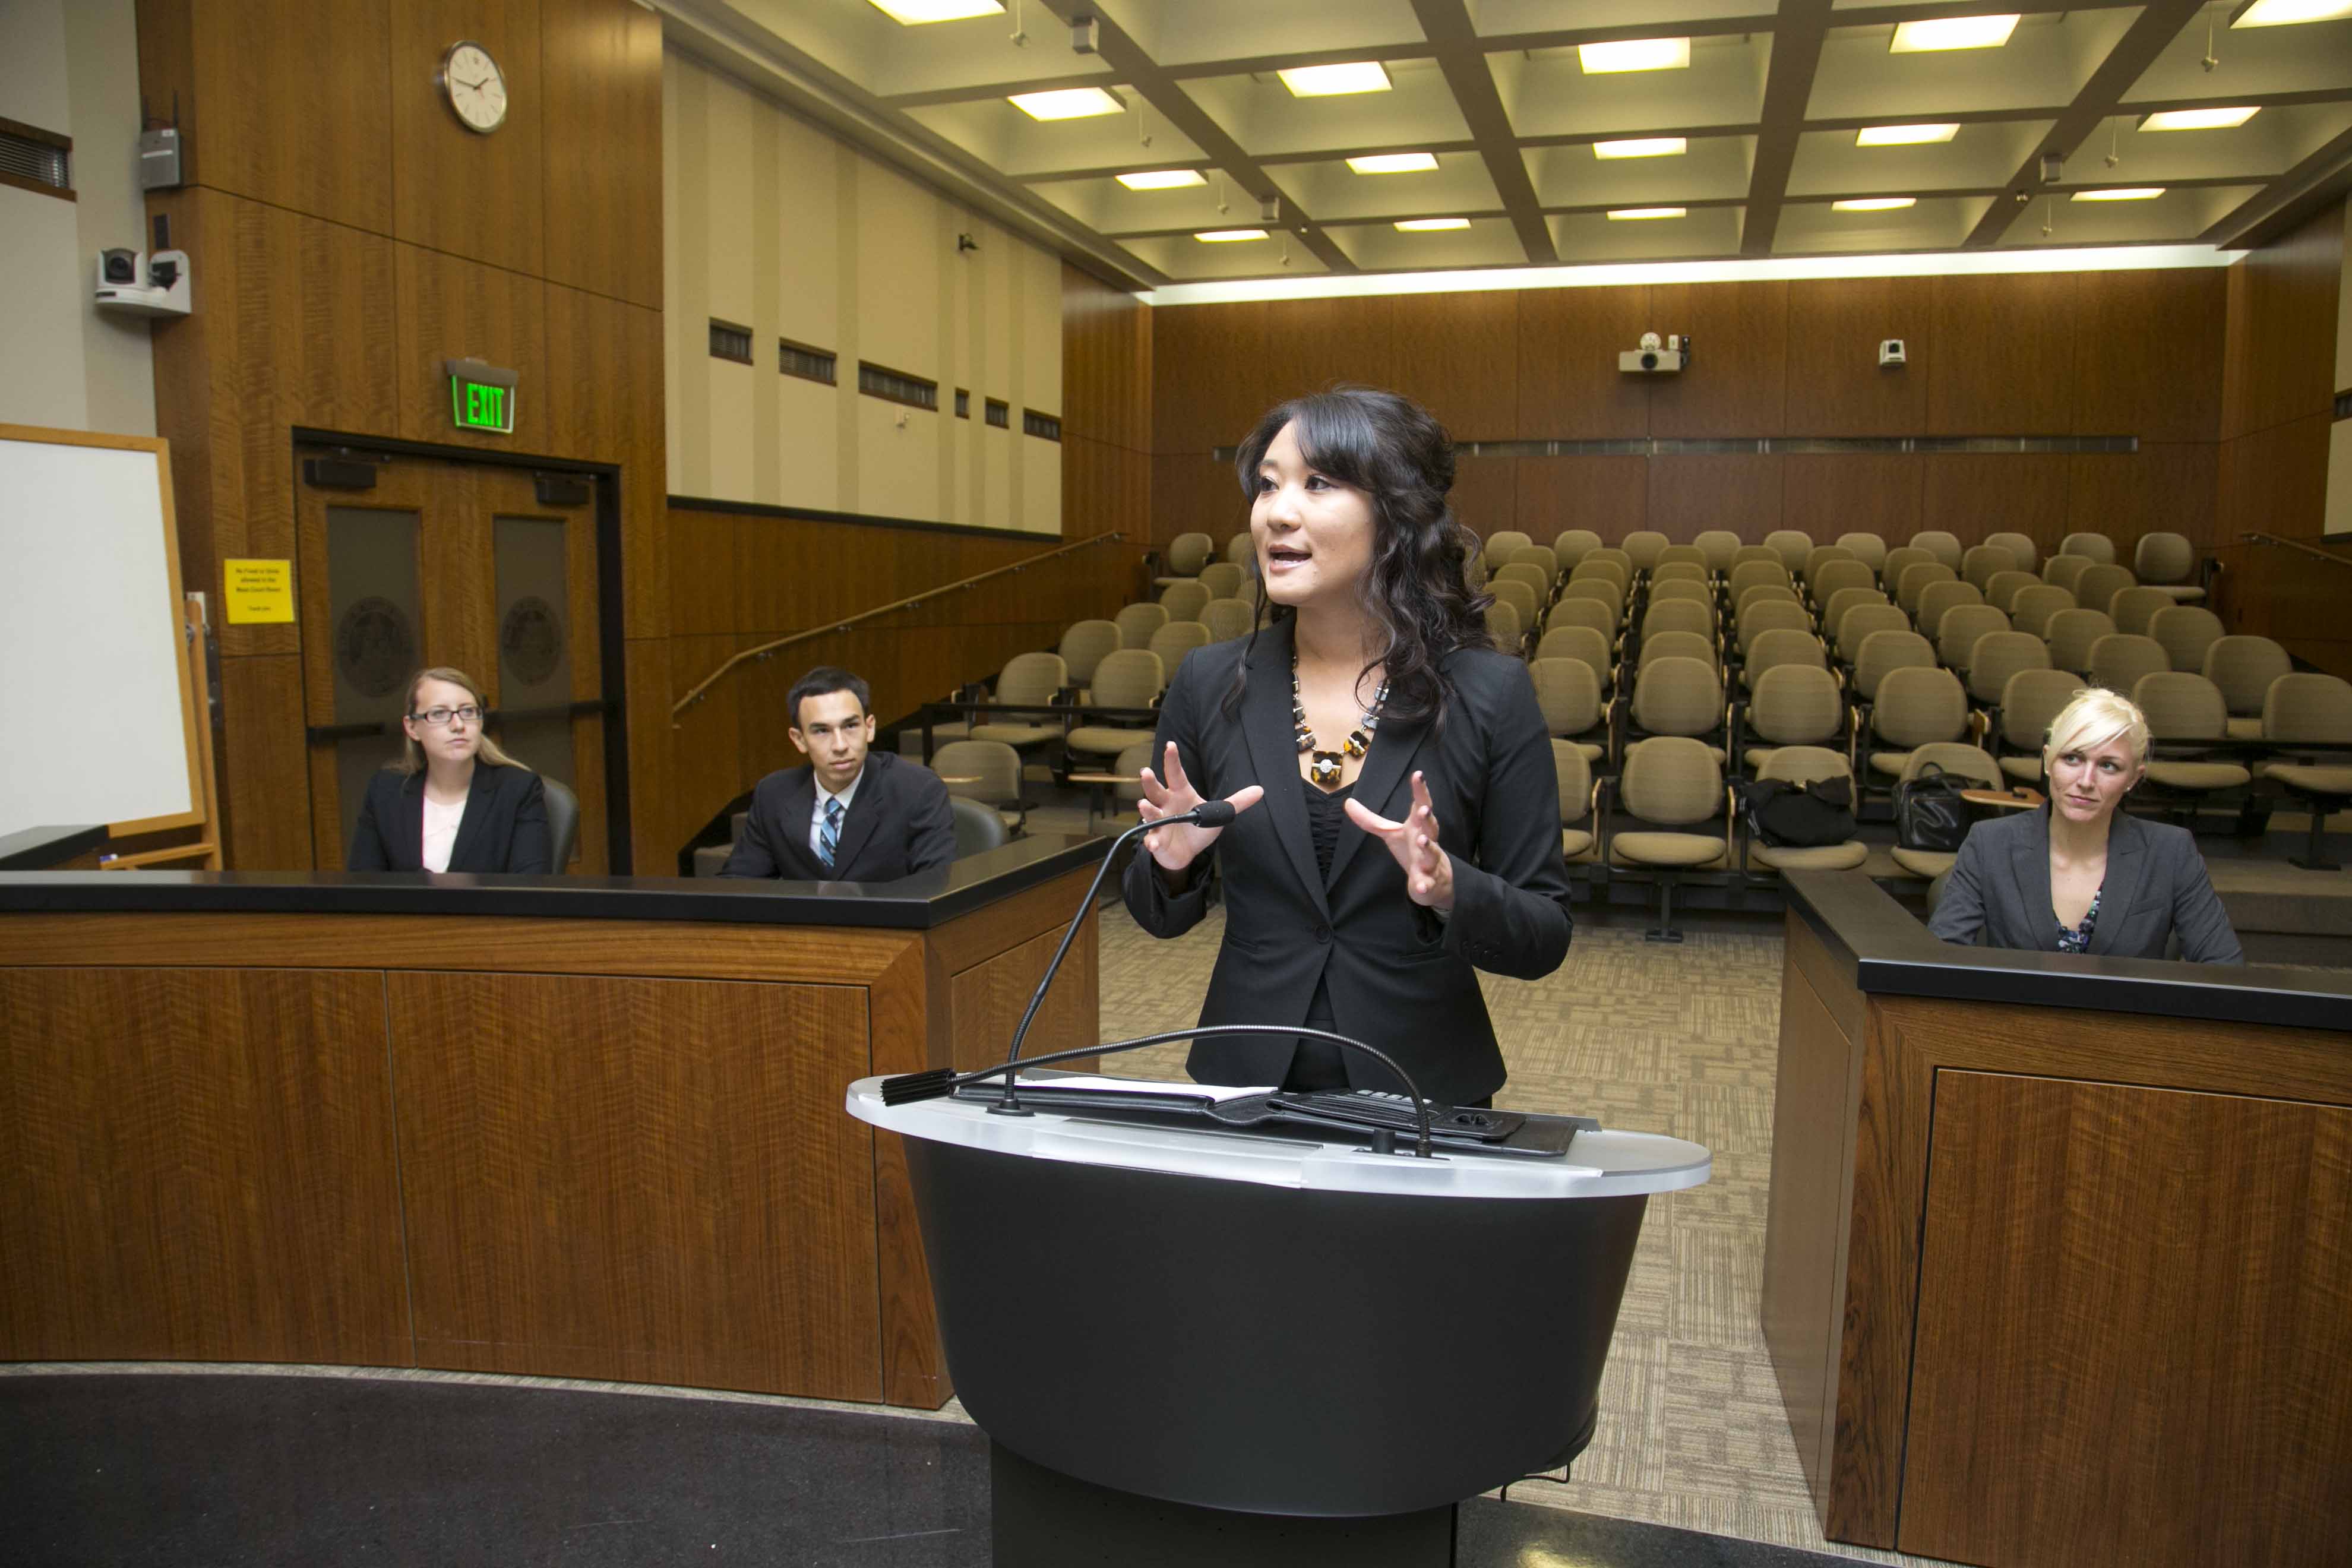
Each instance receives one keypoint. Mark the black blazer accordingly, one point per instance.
(504, 827)
(899, 823)
(1400, 979)
(1998, 892)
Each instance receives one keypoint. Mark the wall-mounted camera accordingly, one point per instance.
(138, 284)
(1656, 355)
(1890, 351)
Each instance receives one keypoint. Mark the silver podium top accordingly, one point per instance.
(1598, 1164)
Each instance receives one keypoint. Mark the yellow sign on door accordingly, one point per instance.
(257, 591)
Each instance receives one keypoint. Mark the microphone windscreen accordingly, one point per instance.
(1213, 813)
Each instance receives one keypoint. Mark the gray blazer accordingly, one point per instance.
(1998, 892)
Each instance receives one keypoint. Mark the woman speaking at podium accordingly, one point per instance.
(1399, 814)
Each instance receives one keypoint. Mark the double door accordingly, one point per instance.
(410, 563)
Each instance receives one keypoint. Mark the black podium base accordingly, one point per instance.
(1044, 1518)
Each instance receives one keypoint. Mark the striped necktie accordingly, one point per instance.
(828, 838)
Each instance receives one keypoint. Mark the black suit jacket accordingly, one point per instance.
(899, 823)
(1400, 979)
(504, 828)
(1998, 891)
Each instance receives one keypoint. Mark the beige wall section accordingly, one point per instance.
(772, 223)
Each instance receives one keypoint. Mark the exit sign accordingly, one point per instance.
(481, 397)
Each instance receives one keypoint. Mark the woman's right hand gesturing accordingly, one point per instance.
(1171, 793)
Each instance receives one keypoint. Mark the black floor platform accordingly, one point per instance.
(217, 1469)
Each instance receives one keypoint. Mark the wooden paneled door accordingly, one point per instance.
(409, 563)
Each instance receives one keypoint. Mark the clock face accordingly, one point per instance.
(475, 87)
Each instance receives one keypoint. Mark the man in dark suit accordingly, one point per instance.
(851, 815)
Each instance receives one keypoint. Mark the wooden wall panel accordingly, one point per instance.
(1836, 385)
(283, 101)
(1829, 493)
(986, 1000)
(1191, 494)
(1609, 495)
(1972, 494)
(2281, 311)
(602, 354)
(1208, 367)
(1485, 493)
(2016, 375)
(2036, 1434)
(1458, 355)
(1689, 495)
(1106, 364)
(1569, 385)
(449, 307)
(601, 72)
(1738, 384)
(264, 765)
(549, 1242)
(656, 819)
(1311, 344)
(2148, 353)
(455, 190)
(176, 1142)
(2167, 488)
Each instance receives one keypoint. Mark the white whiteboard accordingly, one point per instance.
(94, 695)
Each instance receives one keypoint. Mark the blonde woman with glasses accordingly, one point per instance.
(2078, 874)
(454, 802)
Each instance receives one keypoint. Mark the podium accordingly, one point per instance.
(1235, 1348)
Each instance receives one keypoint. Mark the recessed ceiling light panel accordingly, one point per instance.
(1393, 163)
(2286, 13)
(1953, 33)
(1620, 215)
(1162, 179)
(1904, 135)
(2199, 119)
(1069, 104)
(1873, 203)
(2122, 193)
(912, 13)
(1324, 81)
(1642, 147)
(1634, 54)
(1227, 236)
(1430, 225)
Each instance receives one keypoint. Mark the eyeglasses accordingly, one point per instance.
(437, 716)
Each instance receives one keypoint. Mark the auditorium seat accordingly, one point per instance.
(1600, 568)
(1834, 577)
(1177, 638)
(1228, 619)
(1502, 542)
(1760, 614)
(1569, 696)
(1959, 630)
(2029, 703)
(1504, 626)
(1791, 546)
(1675, 645)
(1766, 594)
(2244, 667)
(2186, 631)
(1182, 601)
(1971, 764)
(1224, 579)
(1834, 609)
(1869, 548)
(993, 769)
(1539, 558)
(1584, 644)
(979, 826)
(1792, 705)
(1820, 556)
(1748, 553)
(1802, 765)
(1136, 623)
(1680, 555)
(1613, 552)
(1536, 581)
(1681, 696)
(1131, 678)
(2062, 571)
(1591, 605)
(2020, 545)
(2165, 561)
(1520, 597)
(1941, 595)
(2311, 710)
(2071, 632)
(1916, 579)
(1240, 548)
(2002, 589)
(2135, 609)
(1187, 554)
(1083, 648)
(1573, 546)
(2031, 609)
(2095, 547)
(1672, 782)
(1899, 560)
(1914, 708)
(1678, 615)
(1644, 545)
(2118, 660)
(1575, 775)
(1943, 548)
(1773, 647)
(1688, 572)
(1600, 591)
(1997, 655)
(1032, 679)
(1980, 563)
(1862, 622)
(1753, 574)
(2181, 707)
(2096, 586)
(1718, 545)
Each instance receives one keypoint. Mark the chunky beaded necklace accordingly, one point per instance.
(1324, 767)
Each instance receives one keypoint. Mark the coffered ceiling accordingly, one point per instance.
(1761, 119)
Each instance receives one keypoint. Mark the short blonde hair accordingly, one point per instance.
(2093, 718)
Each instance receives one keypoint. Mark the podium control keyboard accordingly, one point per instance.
(1375, 1107)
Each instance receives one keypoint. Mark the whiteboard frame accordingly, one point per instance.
(170, 605)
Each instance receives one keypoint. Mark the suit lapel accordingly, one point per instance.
(477, 809)
(1273, 744)
(1383, 786)
(799, 811)
(858, 824)
(408, 822)
(2127, 863)
(2030, 862)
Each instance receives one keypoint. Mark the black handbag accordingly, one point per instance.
(1929, 813)
(1791, 816)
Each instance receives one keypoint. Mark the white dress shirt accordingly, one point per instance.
(816, 818)
(441, 831)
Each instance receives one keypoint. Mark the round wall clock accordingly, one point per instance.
(474, 87)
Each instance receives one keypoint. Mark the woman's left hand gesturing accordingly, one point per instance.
(1428, 869)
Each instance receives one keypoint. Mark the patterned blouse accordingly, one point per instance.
(2078, 939)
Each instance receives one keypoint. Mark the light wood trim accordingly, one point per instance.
(206, 850)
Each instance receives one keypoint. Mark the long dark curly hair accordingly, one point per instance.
(1416, 592)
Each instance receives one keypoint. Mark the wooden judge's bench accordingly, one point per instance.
(573, 1127)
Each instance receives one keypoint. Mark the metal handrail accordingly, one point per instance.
(768, 649)
(2296, 544)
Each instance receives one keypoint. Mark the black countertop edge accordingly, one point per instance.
(39, 848)
(914, 903)
(1894, 956)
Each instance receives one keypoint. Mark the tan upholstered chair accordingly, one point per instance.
(1679, 644)
(1942, 548)
(1759, 616)
(1939, 596)
(1240, 548)
(1681, 696)
(1136, 623)
(1537, 579)
(2029, 702)
(1502, 625)
(1228, 619)
(1769, 649)
(1083, 646)
(1672, 782)
(2186, 631)
(1665, 571)
(993, 770)
(1601, 590)
(1584, 644)
(2031, 609)
(1821, 555)
(2134, 610)
(2244, 668)
(1957, 630)
(1830, 578)
(2096, 586)
(1791, 546)
(1131, 678)
(1792, 705)
(1573, 546)
(1860, 622)
(1520, 597)
(2002, 589)
(1747, 574)
(2071, 632)
(2311, 708)
(1802, 765)
(1177, 638)
(1601, 565)
(1918, 578)
(1224, 579)
(1972, 764)
(1678, 615)
(2166, 561)
(1980, 562)
(2028, 553)
(1502, 542)
(1182, 601)
(1540, 557)
(2063, 571)
(1187, 554)
(1763, 592)
(1681, 555)
(1029, 678)
(1720, 545)
(1916, 708)
(2095, 547)
(1746, 552)
(1869, 548)
(1997, 655)
(1644, 545)
(2181, 709)
(1899, 560)
(1575, 775)
(1834, 609)
(1682, 590)
(1569, 695)
(2117, 661)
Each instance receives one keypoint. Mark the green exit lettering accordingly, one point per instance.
(477, 405)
